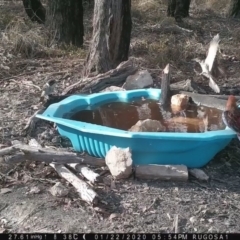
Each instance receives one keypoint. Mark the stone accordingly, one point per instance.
(58, 190)
(140, 79)
(199, 174)
(119, 162)
(179, 100)
(113, 89)
(147, 125)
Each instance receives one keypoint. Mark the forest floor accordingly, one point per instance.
(29, 58)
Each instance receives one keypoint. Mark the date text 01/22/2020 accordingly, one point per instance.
(127, 236)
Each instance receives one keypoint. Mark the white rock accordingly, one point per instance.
(119, 162)
(199, 174)
(140, 79)
(113, 89)
(147, 125)
(58, 190)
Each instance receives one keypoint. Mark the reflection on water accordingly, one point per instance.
(123, 116)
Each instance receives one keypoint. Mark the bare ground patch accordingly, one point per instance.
(132, 205)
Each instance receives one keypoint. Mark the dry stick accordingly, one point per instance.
(21, 74)
(85, 192)
(175, 223)
(27, 84)
(47, 155)
(86, 172)
(165, 86)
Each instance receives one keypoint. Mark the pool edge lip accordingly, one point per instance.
(49, 113)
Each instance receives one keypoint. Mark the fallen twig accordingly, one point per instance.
(85, 192)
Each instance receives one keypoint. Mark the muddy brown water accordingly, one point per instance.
(123, 115)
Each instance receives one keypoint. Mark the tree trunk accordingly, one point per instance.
(171, 8)
(234, 10)
(112, 27)
(66, 20)
(178, 8)
(35, 10)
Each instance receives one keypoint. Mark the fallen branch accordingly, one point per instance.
(95, 84)
(24, 152)
(85, 192)
(86, 172)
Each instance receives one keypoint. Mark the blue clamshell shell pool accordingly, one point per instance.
(191, 149)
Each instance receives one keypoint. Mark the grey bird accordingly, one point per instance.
(47, 89)
(207, 64)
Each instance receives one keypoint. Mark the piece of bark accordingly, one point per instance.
(24, 152)
(85, 192)
(162, 172)
(86, 172)
(97, 83)
(165, 86)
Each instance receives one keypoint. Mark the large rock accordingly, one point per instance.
(119, 162)
(147, 125)
(141, 79)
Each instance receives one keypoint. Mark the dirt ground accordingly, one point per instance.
(29, 57)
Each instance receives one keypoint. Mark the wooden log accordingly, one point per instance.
(85, 192)
(162, 172)
(95, 84)
(24, 152)
(165, 86)
(86, 172)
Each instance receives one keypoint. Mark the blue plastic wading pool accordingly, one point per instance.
(191, 149)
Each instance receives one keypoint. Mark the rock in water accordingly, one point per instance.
(179, 100)
(147, 125)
